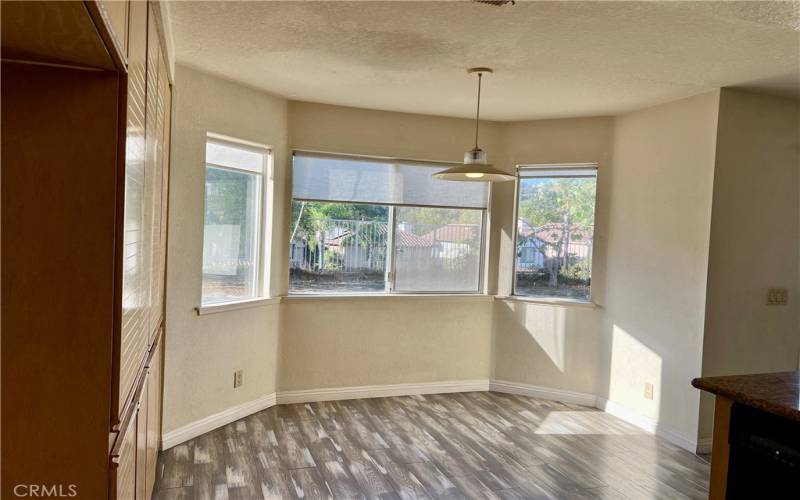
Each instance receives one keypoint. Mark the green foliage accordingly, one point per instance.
(557, 200)
(226, 197)
(308, 215)
(568, 202)
(230, 200)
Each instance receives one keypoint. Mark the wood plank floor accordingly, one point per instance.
(471, 445)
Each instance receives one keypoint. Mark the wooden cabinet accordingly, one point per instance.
(85, 158)
(116, 12)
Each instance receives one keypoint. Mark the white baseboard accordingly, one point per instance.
(199, 427)
(647, 424)
(225, 417)
(211, 422)
(381, 391)
(704, 445)
(535, 391)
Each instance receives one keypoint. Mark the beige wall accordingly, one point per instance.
(202, 352)
(539, 344)
(754, 241)
(384, 340)
(657, 259)
(388, 340)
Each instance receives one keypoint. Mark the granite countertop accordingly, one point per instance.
(777, 393)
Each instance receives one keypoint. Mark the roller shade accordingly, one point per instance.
(381, 182)
(558, 171)
(231, 155)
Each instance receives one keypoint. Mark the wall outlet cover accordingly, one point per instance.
(777, 297)
(648, 390)
(237, 378)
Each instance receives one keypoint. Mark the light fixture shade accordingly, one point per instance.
(475, 172)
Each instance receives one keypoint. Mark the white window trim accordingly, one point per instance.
(354, 297)
(545, 301)
(235, 305)
(512, 296)
(263, 228)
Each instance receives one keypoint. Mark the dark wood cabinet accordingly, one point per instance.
(86, 99)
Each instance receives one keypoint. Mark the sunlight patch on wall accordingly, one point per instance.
(633, 366)
(547, 326)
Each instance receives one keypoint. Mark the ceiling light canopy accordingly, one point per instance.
(476, 168)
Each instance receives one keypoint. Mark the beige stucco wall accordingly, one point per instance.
(657, 259)
(384, 340)
(387, 340)
(539, 344)
(754, 241)
(202, 352)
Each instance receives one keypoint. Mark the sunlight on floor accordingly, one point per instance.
(584, 422)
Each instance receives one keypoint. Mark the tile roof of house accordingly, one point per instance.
(405, 239)
(552, 232)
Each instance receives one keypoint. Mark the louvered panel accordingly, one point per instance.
(152, 173)
(167, 92)
(126, 469)
(133, 341)
(141, 443)
(159, 219)
(153, 415)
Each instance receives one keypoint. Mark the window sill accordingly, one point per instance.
(450, 297)
(233, 306)
(544, 301)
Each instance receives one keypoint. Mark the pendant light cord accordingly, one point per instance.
(478, 112)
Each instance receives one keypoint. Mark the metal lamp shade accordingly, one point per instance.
(475, 172)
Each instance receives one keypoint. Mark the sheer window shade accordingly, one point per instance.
(224, 154)
(389, 182)
(556, 172)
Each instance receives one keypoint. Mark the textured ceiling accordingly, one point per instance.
(552, 59)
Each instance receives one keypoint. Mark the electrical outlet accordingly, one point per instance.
(777, 297)
(648, 390)
(237, 378)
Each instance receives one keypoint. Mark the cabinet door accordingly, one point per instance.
(153, 416)
(126, 467)
(117, 12)
(141, 443)
(135, 286)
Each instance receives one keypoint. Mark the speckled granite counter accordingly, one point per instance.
(777, 393)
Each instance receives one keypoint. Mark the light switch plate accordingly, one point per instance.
(777, 297)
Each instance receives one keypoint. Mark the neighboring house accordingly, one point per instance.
(536, 244)
(360, 246)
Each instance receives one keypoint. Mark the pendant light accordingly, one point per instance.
(475, 167)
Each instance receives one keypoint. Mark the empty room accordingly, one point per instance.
(485, 249)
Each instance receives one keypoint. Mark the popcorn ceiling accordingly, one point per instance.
(552, 59)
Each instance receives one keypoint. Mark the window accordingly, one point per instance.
(232, 231)
(555, 231)
(362, 225)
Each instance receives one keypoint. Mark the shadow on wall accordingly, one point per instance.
(546, 345)
(569, 348)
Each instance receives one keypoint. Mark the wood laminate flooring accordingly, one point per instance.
(480, 445)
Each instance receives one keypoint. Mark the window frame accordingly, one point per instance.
(263, 224)
(550, 166)
(390, 271)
